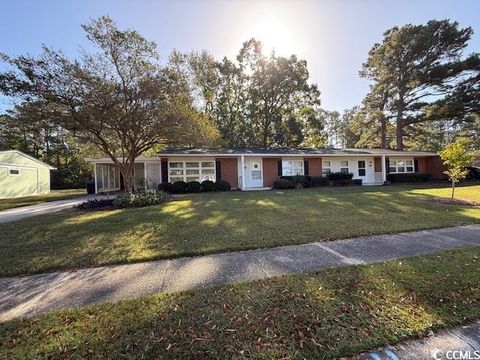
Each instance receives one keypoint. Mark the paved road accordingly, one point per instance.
(42, 208)
(31, 295)
(459, 343)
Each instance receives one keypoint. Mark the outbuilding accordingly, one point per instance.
(23, 175)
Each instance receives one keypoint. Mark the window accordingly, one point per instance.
(191, 171)
(344, 166)
(292, 167)
(14, 172)
(361, 168)
(401, 166)
(326, 167)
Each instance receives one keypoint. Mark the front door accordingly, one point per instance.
(362, 170)
(253, 173)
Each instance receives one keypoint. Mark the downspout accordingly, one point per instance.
(243, 172)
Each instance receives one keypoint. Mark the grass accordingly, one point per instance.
(207, 223)
(323, 315)
(469, 193)
(36, 199)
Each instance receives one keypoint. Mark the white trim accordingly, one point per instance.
(243, 172)
(95, 176)
(28, 157)
(396, 159)
(384, 168)
(200, 169)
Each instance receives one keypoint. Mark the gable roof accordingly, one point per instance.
(28, 157)
(290, 151)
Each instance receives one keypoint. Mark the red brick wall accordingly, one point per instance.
(422, 165)
(314, 166)
(270, 171)
(434, 166)
(229, 171)
(377, 164)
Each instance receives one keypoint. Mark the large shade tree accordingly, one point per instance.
(419, 75)
(119, 98)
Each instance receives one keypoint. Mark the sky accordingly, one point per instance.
(333, 36)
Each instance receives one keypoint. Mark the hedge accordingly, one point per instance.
(223, 185)
(304, 180)
(208, 185)
(179, 187)
(409, 178)
(319, 181)
(283, 184)
(193, 187)
(339, 176)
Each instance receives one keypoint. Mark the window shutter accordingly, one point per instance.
(279, 167)
(387, 167)
(164, 171)
(218, 170)
(415, 163)
(305, 167)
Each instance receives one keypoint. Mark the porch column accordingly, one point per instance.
(95, 175)
(243, 172)
(384, 169)
(145, 176)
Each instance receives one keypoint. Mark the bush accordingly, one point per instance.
(193, 187)
(208, 185)
(339, 176)
(409, 178)
(303, 180)
(223, 185)
(357, 182)
(139, 199)
(166, 187)
(342, 182)
(319, 181)
(94, 204)
(283, 184)
(179, 187)
(473, 173)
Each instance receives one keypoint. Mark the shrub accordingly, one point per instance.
(357, 182)
(223, 185)
(319, 181)
(339, 176)
(139, 199)
(94, 204)
(284, 184)
(179, 187)
(208, 185)
(193, 187)
(473, 173)
(166, 187)
(408, 178)
(342, 182)
(303, 180)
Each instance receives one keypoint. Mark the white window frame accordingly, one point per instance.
(394, 164)
(17, 169)
(292, 166)
(326, 169)
(198, 177)
(342, 166)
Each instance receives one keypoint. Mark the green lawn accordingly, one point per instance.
(30, 200)
(218, 222)
(322, 315)
(471, 193)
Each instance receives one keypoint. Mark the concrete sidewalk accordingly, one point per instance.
(22, 212)
(459, 343)
(36, 294)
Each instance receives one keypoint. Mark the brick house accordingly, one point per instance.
(258, 168)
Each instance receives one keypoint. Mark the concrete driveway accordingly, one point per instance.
(44, 208)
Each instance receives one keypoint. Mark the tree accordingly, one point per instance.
(420, 70)
(257, 100)
(119, 99)
(457, 156)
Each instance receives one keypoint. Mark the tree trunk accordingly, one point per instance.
(399, 130)
(126, 170)
(383, 130)
(453, 189)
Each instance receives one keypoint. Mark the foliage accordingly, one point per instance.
(457, 156)
(166, 187)
(223, 185)
(120, 99)
(303, 180)
(139, 199)
(208, 185)
(94, 204)
(339, 128)
(409, 178)
(259, 100)
(339, 176)
(193, 187)
(282, 183)
(179, 187)
(418, 75)
(319, 181)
